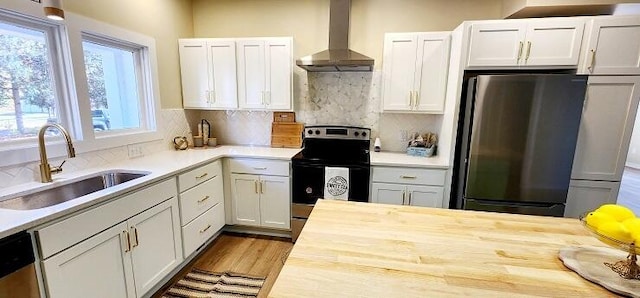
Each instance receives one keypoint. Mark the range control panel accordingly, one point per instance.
(337, 132)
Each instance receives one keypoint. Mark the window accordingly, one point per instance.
(113, 81)
(28, 96)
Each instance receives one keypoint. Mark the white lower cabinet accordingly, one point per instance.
(201, 229)
(587, 195)
(261, 200)
(412, 195)
(260, 193)
(125, 260)
(408, 186)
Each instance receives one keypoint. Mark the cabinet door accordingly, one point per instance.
(585, 196)
(278, 57)
(224, 88)
(553, 42)
(496, 44)
(194, 71)
(425, 196)
(384, 193)
(432, 70)
(275, 206)
(246, 199)
(251, 74)
(614, 46)
(605, 129)
(156, 244)
(97, 267)
(398, 71)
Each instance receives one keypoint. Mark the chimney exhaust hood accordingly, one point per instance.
(338, 57)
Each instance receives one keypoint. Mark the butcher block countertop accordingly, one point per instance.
(350, 249)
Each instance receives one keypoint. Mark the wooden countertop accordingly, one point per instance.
(350, 249)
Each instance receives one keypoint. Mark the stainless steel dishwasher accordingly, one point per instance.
(17, 270)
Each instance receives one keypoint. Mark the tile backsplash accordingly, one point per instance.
(334, 98)
(170, 122)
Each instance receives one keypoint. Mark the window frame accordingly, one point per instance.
(72, 86)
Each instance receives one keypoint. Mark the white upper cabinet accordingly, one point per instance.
(265, 73)
(208, 69)
(613, 47)
(605, 128)
(532, 43)
(415, 68)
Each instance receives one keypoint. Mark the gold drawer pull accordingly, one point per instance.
(135, 235)
(205, 229)
(260, 169)
(408, 177)
(202, 176)
(126, 235)
(203, 199)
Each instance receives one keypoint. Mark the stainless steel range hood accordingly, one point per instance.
(338, 57)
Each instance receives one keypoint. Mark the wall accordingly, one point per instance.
(330, 98)
(165, 20)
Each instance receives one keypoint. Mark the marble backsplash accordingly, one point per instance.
(171, 123)
(334, 98)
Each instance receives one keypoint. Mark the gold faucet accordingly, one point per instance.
(45, 169)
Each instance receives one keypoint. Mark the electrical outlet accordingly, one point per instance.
(135, 150)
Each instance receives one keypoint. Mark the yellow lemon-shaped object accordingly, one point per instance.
(632, 225)
(615, 230)
(620, 213)
(596, 218)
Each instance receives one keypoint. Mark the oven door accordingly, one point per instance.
(308, 183)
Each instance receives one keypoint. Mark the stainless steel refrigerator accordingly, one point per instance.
(516, 142)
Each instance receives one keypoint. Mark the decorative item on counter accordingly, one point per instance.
(180, 143)
(284, 117)
(286, 134)
(377, 145)
(422, 145)
(204, 130)
(197, 141)
(190, 140)
(213, 142)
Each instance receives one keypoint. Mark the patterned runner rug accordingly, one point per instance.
(204, 284)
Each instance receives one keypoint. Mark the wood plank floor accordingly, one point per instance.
(629, 194)
(245, 254)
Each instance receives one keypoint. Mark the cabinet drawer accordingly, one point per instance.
(202, 228)
(199, 175)
(197, 200)
(409, 176)
(72, 230)
(258, 166)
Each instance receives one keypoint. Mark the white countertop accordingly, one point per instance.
(161, 165)
(398, 159)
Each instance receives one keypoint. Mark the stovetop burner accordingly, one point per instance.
(335, 146)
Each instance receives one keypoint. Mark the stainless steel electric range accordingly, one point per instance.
(328, 146)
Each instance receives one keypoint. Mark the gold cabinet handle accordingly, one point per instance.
(203, 199)
(213, 96)
(202, 176)
(255, 184)
(519, 52)
(135, 236)
(593, 60)
(416, 99)
(410, 198)
(208, 96)
(262, 97)
(404, 197)
(526, 58)
(260, 168)
(126, 235)
(408, 177)
(261, 187)
(205, 229)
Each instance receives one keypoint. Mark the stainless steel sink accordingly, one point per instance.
(70, 191)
